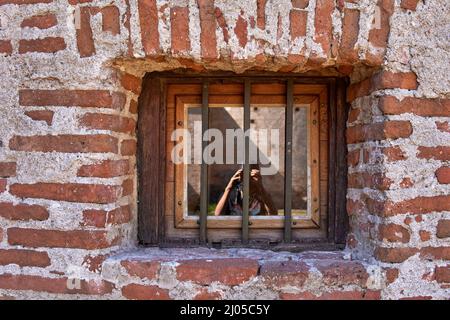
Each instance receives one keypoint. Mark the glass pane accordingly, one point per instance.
(300, 161)
(267, 124)
(193, 169)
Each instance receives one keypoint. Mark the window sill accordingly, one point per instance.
(202, 273)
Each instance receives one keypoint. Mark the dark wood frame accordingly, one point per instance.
(151, 157)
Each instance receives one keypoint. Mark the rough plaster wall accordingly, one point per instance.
(418, 42)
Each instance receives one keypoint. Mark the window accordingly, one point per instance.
(242, 160)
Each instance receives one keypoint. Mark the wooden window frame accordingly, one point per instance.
(152, 156)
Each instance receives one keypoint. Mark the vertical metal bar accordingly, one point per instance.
(245, 213)
(288, 162)
(204, 167)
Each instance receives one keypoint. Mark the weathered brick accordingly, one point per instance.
(94, 262)
(79, 239)
(393, 233)
(278, 274)
(435, 253)
(394, 255)
(133, 108)
(71, 192)
(208, 39)
(228, 271)
(105, 169)
(409, 4)
(108, 122)
(3, 183)
(179, 19)
(353, 157)
(148, 18)
(421, 107)
(342, 272)
(23, 212)
(54, 285)
(119, 215)
(437, 153)
(144, 292)
(379, 34)
(72, 98)
(3, 2)
(24, 258)
(85, 40)
(323, 24)
(142, 269)
(443, 229)
(419, 205)
(110, 20)
(46, 45)
(41, 21)
(334, 295)
(379, 131)
(128, 147)
(424, 235)
(96, 143)
(261, 14)
(350, 30)
(6, 47)
(298, 22)
(443, 175)
(41, 115)
(443, 126)
(94, 218)
(131, 82)
(204, 294)
(360, 180)
(127, 187)
(8, 169)
(241, 31)
(442, 274)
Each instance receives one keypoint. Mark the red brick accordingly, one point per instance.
(443, 229)
(2, 185)
(41, 115)
(208, 39)
(6, 47)
(8, 169)
(179, 19)
(261, 14)
(148, 18)
(394, 255)
(94, 218)
(443, 175)
(24, 258)
(443, 126)
(94, 263)
(75, 2)
(131, 83)
(79, 239)
(42, 21)
(419, 205)
(442, 274)
(105, 169)
(23, 212)
(379, 131)
(435, 253)
(3, 2)
(393, 233)
(422, 107)
(85, 40)
(110, 19)
(54, 285)
(437, 153)
(133, 106)
(142, 269)
(128, 148)
(391, 275)
(119, 215)
(409, 4)
(350, 30)
(222, 24)
(298, 21)
(394, 153)
(424, 235)
(46, 45)
(353, 157)
(354, 208)
(241, 31)
(96, 143)
(334, 295)
(72, 98)
(300, 4)
(360, 180)
(71, 192)
(228, 271)
(378, 37)
(380, 81)
(323, 24)
(144, 292)
(127, 187)
(111, 122)
(342, 272)
(417, 298)
(282, 273)
(353, 115)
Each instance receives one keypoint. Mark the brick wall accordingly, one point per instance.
(71, 77)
